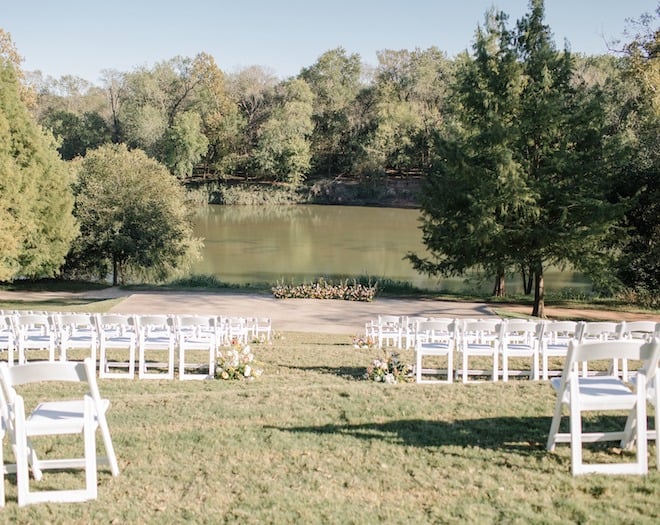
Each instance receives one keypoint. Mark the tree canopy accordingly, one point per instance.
(521, 179)
(36, 224)
(133, 218)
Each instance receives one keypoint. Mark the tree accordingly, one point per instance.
(183, 144)
(635, 97)
(36, 224)
(477, 200)
(283, 150)
(335, 81)
(529, 166)
(168, 110)
(133, 218)
(75, 133)
(411, 86)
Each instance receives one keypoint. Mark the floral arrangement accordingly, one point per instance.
(237, 362)
(323, 289)
(363, 342)
(389, 370)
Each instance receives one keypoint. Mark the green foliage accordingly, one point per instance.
(183, 144)
(76, 134)
(521, 178)
(634, 103)
(335, 81)
(36, 224)
(133, 218)
(283, 149)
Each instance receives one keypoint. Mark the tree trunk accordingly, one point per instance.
(500, 286)
(527, 278)
(539, 292)
(114, 272)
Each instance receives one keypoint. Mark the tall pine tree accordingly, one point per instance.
(520, 181)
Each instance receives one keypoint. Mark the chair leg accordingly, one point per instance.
(554, 426)
(89, 433)
(576, 439)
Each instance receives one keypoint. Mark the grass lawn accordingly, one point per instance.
(311, 442)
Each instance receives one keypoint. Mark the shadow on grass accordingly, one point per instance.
(526, 435)
(348, 372)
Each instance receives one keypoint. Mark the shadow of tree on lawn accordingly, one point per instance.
(526, 435)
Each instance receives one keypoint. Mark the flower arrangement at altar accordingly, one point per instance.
(389, 370)
(322, 289)
(237, 362)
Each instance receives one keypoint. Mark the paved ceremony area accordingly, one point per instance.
(295, 315)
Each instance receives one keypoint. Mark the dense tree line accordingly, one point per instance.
(530, 155)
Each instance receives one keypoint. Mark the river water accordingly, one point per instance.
(254, 245)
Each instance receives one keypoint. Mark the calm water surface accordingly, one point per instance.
(245, 244)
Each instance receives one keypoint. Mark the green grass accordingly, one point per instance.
(310, 442)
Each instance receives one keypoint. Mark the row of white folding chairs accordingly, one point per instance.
(130, 335)
(514, 338)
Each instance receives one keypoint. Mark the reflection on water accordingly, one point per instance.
(254, 244)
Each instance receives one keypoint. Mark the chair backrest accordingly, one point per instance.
(440, 330)
(599, 330)
(197, 326)
(637, 350)
(154, 325)
(556, 331)
(40, 371)
(639, 329)
(481, 329)
(74, 320)
(522, 329)
(34, 321)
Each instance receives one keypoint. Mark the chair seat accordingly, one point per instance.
(434, 348)
(58, 417)
(597, 392)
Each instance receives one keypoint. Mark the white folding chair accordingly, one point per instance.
(642, 330)
(236, 330)
(389, 330)
(34, 331)
(155, 338)
(197, 335)
(7, 337)
(409, 330)
(520, 338)
(604, 393)
(600, 331)
(76, 332)
(554, 342)
(434, 339)
(480, 338)
(262, 328)
(117, 337)
(78, 416)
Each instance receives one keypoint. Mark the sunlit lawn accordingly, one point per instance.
(311, 442)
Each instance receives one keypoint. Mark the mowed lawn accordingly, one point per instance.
(312, 442)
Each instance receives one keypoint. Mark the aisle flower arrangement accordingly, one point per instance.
(237, 362)
(389, 370)
(363, 342)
